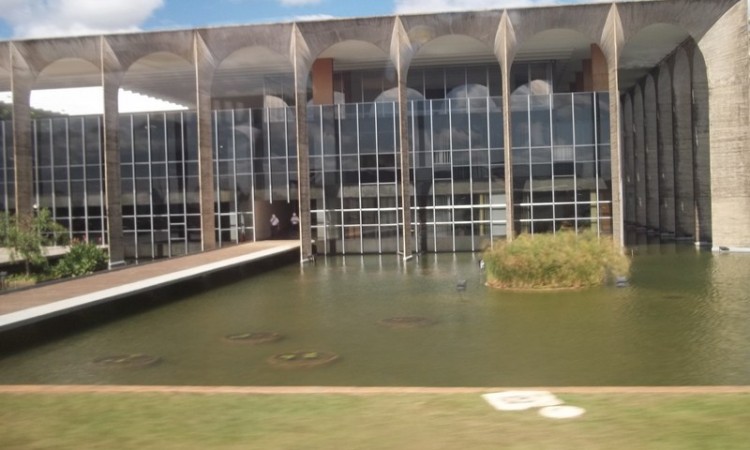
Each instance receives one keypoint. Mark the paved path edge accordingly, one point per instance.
(353, 390)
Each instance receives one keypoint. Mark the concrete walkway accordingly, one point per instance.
(30, 305)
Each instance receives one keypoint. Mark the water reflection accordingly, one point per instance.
(681, 321)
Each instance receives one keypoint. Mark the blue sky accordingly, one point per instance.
(45, 18)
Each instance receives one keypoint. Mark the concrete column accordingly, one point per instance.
(725, 49)
(628, 160)
(405, 166)
(683, 146)
(204, 69)
(401, 54)
(701, 150)
(111, 80)
(652, 154)
(612, 42)
(301, 61)
(639, 157)
(504, 48)
(665, 151)
(22, 80)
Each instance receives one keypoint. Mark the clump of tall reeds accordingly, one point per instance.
(555, 261)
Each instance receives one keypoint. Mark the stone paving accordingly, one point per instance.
(14, 301)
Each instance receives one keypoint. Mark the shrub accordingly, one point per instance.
(82, 259)
(549, 261)
(27, 236)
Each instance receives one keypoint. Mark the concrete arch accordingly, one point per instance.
(646, 49)
(586, 67)
(678, 172)
(665, 143)
(423, 29)
(683, 145)
(163, 75)
(724, 48)
(224, 42)
(588, 20)
(40, 54)
(240, 76)
(452, 49)
(694, 15)
(652, 154)
(345, 56)
(318, 36)
(126, 49)
(64, 77)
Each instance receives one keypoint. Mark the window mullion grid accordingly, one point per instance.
(167, 195)
(413, 156)
(86, 193)
(267, 126)
(432, 174)
(67, 171)
(217, 177)
(336, 122)
(150, 187)
(252, 169)
(595, 107)
(359, 184)
(53, 199)
(552, 158)
(377, 179)
(133, 187)
(575, 168)
(184, 163)
(397, 187)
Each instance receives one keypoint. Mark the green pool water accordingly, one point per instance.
(683, 320)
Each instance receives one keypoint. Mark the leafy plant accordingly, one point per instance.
(26, 237)
(83, 258)
(561, 260)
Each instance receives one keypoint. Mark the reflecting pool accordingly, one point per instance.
(683, 320)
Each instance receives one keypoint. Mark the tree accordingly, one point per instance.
(27, 236)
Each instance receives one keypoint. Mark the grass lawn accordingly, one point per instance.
(383, 421)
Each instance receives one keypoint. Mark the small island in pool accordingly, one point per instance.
(564, 260)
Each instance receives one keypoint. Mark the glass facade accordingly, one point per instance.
(354, 169)
(160, 185)
(561, 166)
(69, 174)
(561, 162)
(7, 168)
(458, 173)
(255, 161)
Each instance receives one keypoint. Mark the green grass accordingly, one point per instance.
(563, 260)
(386, 421)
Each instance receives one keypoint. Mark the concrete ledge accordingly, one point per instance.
(57, 308)
(724, 249)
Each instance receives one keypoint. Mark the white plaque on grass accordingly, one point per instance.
(562, 412)
(520, 400)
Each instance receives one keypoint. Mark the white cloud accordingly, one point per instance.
(45, 18)
(312, 17)
(299, 2)
(419, 6)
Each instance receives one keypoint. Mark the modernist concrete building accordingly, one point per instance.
(403, 134)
